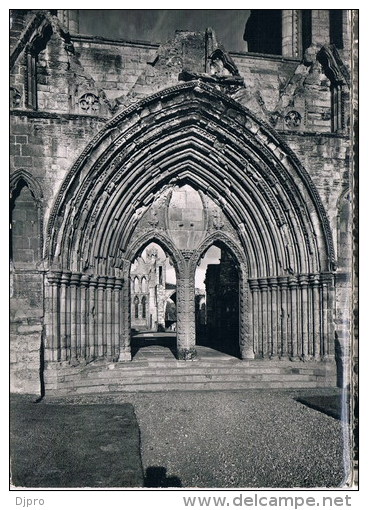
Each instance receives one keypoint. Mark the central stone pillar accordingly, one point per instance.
(185, 318)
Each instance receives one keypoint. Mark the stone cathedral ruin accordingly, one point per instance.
(118, 144)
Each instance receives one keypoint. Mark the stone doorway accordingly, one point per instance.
(217, 301)
(153, 298)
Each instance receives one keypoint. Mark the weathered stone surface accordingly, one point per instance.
(101, 131)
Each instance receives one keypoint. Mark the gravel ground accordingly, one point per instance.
(236, 439)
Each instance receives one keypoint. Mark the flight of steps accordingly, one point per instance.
(160, 373)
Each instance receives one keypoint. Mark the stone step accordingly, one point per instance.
(173, 375)
(169, 379)
(193, 386)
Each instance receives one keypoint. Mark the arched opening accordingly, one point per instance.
(153, 278)
(25, 226)
(266, 211)
(217, 301)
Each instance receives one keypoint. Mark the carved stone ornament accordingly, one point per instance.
(153, 221)
(217, 220)
(15, 97)
(89, 102)
(293, 119)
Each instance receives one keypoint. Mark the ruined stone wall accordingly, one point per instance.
(265, 76)
(82, 82)
(115, 67)
(326, 157)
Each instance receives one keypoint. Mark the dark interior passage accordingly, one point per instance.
(217, 319)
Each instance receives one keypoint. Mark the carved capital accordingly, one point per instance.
(54, 277)
(273, 282)
(65, 278)
(263, 284)
(187, 254)
(303, 280)
(75, 278)
(118, 283)
(253, 285)
(85, 279)
(110, 283)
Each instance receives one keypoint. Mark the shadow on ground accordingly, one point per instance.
(63, 445)
(156, 476)
(332, 405)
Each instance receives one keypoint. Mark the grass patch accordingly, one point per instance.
(61, 445)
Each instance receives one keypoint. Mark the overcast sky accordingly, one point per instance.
(159, 25)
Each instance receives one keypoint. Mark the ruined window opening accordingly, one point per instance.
(306, 29)
(32, 59)
(336, 28)
(136, 307)
(263, 31)
(336, 108)
(25, 225)
(144, 307)
(160, 275)
(144, 284)
(136, 284)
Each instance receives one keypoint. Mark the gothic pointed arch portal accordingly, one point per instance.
(256, 196)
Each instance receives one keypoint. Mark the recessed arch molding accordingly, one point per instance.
(279, 234)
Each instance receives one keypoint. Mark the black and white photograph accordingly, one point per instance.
(183, 249)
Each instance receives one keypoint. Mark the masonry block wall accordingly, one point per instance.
(66, 86)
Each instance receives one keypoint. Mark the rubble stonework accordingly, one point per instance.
(104, 133)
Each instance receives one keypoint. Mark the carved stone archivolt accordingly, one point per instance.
(270, 210)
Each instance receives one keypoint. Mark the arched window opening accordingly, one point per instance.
(144, 311)
(336, 28)
(32, 57)
(263, 31)
(306, 29)
(25, 226)
(136, 307)
(31, 86)
(336, 108)
(144, 284)
(136, 284)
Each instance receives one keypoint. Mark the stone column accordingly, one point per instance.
(125, 353)
(185, 317)
(74, 337)
(253, 284)
(263, 285)
(101, 312)
(64, 316)
(288, 36)
(83, 316)
(320, 26)
(109, 318)
(325, 339)
(303, 280)
(55, 348)
(275, 349)
(117, 313)
(328, 309)
(246, 329)
(293, 286)
(284, 344)
(92, 350)
(316, 318)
